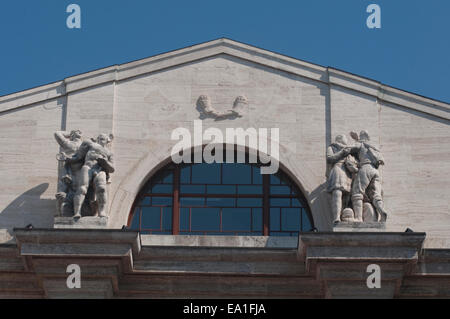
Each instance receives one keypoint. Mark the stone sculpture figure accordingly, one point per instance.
(354, 175)
(97, 165)
(69, 142)
(87, 165)
(340, 176)
(368, 180)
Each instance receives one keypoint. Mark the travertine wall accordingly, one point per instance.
(416, 148)
(142, 111)
(150, 107)
(28, 167)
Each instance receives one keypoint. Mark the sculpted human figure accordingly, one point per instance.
(340, 177)
(368, 180)
(69, 142)
(97, 165)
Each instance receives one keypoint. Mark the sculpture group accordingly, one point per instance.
(86, 168)
(354, 180)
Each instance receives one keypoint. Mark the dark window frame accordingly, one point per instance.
(176, 197)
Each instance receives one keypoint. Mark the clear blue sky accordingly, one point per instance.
(411, 51)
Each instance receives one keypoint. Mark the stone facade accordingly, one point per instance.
(120, 264)
(141, 102)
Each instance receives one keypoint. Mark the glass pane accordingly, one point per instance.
(249, 189)
(280, 190)
(306, 223)
(236, 219)
(185, 175)
(283, 179)
(167, 219)
(274, 219)
(221, 202)
(192, 201)
(221, 189)
(151, 217)
(257, 219)
(249, 202)
(296, 203)
(277, 202)
(135, 220)
(162, 189)
(146, 201)
(168, 179)
(192, 189)
(257, 176)
(274, 180)
(205, 219)
(184, 219)
(235, 173)
(206, 174)
(162, 201)
(290, 219)
(163, 177)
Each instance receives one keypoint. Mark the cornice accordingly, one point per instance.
(223, 46)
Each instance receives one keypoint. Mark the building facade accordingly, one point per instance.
(152, 228)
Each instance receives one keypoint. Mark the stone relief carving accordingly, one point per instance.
(87, 165)
(205, 106)
(354, 180)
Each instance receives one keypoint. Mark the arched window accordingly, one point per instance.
(220, 199)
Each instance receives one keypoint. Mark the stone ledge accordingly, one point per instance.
(84, 222)
(79, 238)
(369, 239)
(359, 227)
(348, 246)
(339, 271)
(220, 241)
(100, 245)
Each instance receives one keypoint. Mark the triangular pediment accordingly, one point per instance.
(234, 49)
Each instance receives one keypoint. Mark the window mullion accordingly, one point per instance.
(176, 202)
(266, 204)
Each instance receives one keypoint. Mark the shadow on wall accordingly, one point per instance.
(320, 202)
(29, 208)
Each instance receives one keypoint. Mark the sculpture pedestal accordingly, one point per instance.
(360, 227)
(88, 222)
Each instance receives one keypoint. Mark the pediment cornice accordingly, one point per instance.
(223, 46)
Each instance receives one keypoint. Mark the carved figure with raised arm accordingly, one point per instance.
(340, 176)
(69, 142)
(97, 162)
(367, 181)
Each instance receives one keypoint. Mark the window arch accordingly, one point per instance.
(220, 199)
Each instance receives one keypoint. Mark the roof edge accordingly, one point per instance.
(327, 75)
